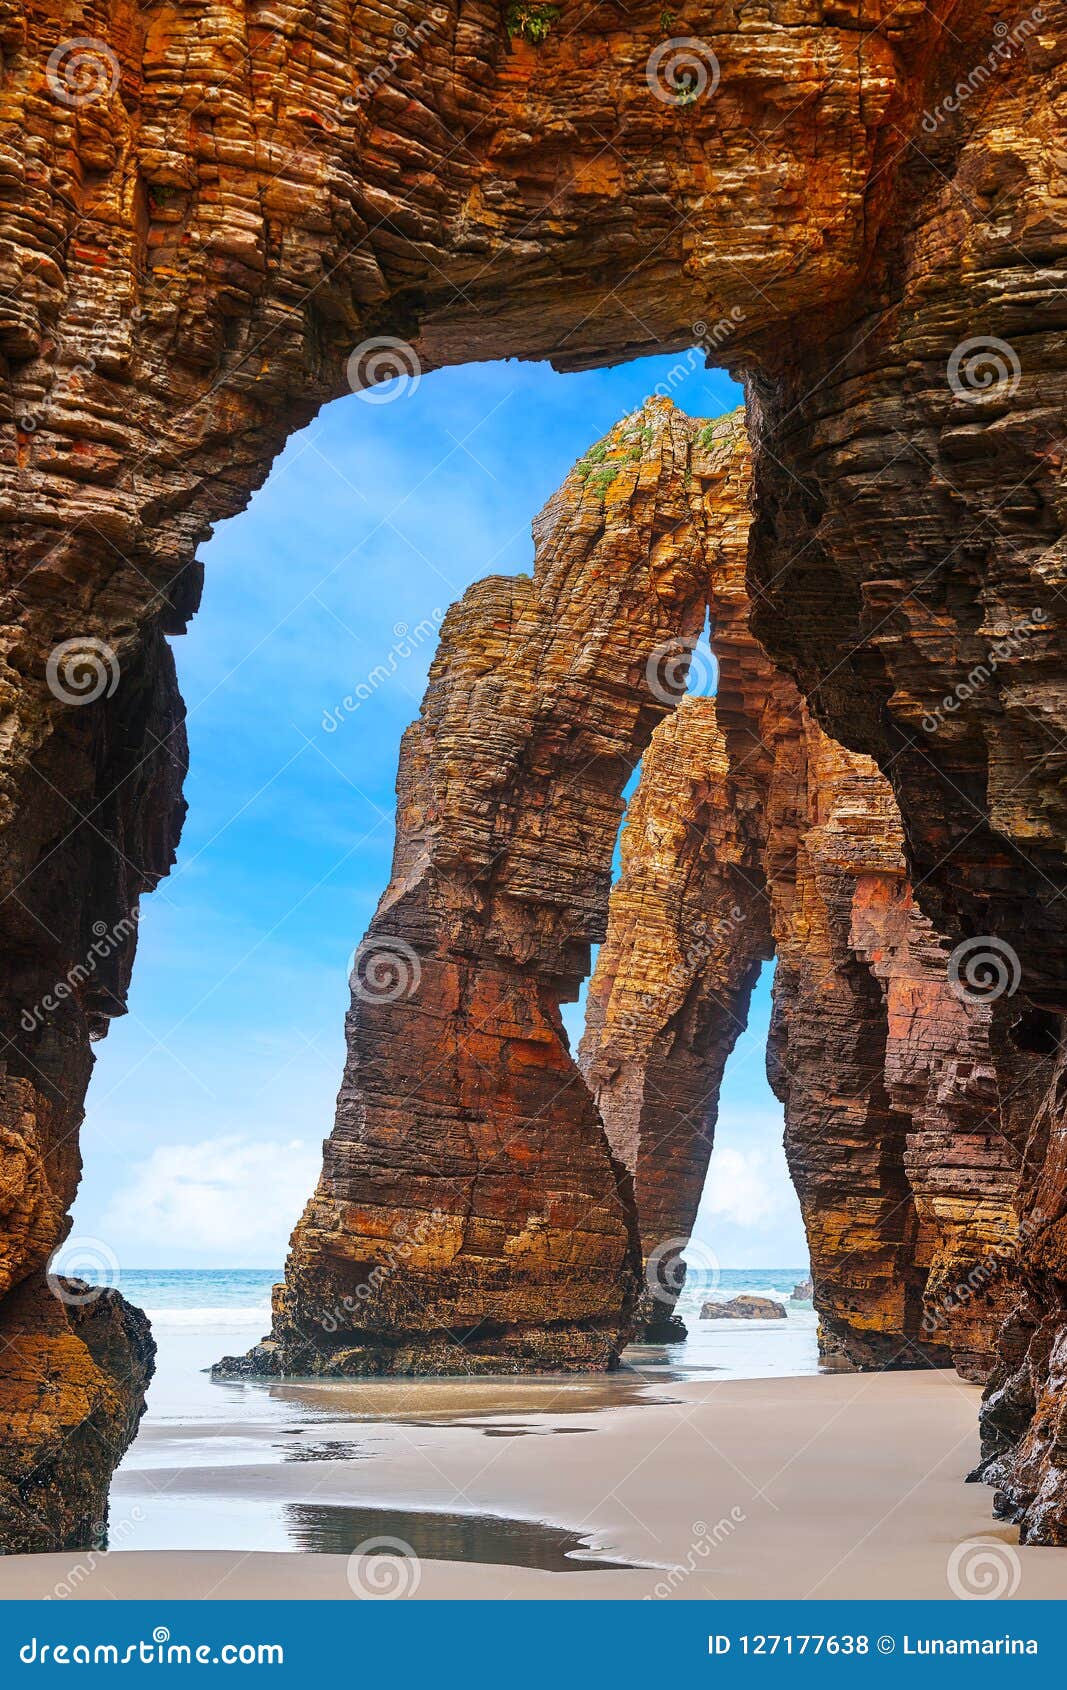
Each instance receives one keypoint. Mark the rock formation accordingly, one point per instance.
(470, 1215)
(895, 1113)
(688, 930)
(466, 1222)
(105, 825)
(77, 1363)
(743, 1308)
(777, 841)
(207, 210)
(690, 922)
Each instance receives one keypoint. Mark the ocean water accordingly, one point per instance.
(215, 1301)
(229, 1291)
(201, 1314)
(190, 1299)
(220, 1300)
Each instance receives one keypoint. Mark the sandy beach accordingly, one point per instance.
(824, 1486)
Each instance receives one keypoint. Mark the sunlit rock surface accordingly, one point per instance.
(470, 1215)
(203, 226)
(751, 834)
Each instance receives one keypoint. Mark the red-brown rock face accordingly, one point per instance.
(77, 1363)
(894, 1117)
(688, 930)
(769, 839)
(470, 1214)
(203, 223)
(690, 921)
(109, 805)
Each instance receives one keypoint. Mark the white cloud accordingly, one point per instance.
(749, 1214)
(229, 1201)
(745, 1186)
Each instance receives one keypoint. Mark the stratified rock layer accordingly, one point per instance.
(470, 1215)
(903, 1172)
(198, 235)
(690, 922)
(77, 1363)
(105, 828)
(769, 839)
(689, 928)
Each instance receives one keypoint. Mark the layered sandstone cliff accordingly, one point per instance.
(77, 1363)
(689, 920)
(896, 1113)
(207, 209)
(769, 839)
(104, 829)
(470, 1215)
(688, 931)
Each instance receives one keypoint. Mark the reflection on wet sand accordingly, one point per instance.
(489, 1539)
(420, 1401)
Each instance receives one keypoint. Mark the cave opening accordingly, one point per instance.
(210, 1097)
(333, 589)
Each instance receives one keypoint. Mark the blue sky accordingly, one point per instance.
(211, 1097)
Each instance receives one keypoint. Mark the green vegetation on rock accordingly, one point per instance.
(533, 23)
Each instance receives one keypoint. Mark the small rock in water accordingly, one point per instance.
(744, 1308)
(802, 1293)
(261, 1360)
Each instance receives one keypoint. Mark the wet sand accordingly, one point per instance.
(820, 1486)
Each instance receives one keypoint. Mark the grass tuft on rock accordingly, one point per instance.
(533, 23)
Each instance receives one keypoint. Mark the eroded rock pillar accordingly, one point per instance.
(669, 998)
(752, 832)
(470, 1214)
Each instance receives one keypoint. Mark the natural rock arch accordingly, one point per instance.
(193, 250)
(469, 1216)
